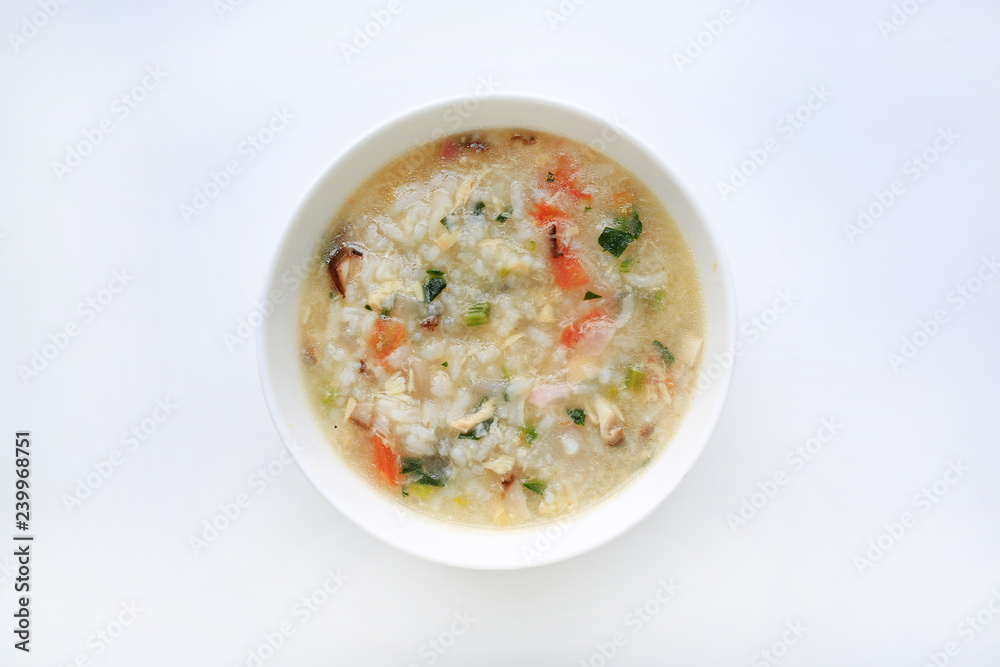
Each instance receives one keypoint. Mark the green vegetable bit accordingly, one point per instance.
(530, 434)
(445, 364)
(329, 395)
(626, 265)
(480, 205)
(478, 431)
(414, 466)
(551, 178)
(367, 307)
(435, 284)
(590, 295)
(477, 314)
(586, 208)
(668, 356)
(617, 238)
(330, 295)
(578, 415)
(531, 246)
(535, 485)
(634, 378)
(505, 214)
(657, 298)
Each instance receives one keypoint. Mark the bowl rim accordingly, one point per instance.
(710, 419)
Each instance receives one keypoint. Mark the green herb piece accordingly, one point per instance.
(505, 214)
(614, 240)
(631, 225)
(551, 178)
(634, 378)
(445, 364)
(329, 395)
(435, 284)
(367, 307)
(480, 205)
(386, 312)
(578, 415)
(590, 295)
(444, 221)
(477, 314)
(330, 295)
(410, 464)
(531, 245)
(586, 208)
(625, 230)
(478, 431)
(626, 265)
(405, 492)
(530, 434)
(430, 480)
(414, 466)
(657, 298)
(535, 486)
(668, 356)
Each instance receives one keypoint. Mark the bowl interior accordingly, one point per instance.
(413, 532)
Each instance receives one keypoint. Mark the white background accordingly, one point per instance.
(193, 281)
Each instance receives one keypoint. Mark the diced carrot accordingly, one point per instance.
(568, 270)
(564, 178)
(386, 460)
(575, 332)
(389, 333)
(546, 214)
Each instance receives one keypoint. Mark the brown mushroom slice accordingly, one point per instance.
(340, 264)
(611, 421)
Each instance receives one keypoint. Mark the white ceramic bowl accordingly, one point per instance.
(278, 345)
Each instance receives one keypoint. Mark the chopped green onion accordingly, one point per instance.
(626, 265)
(477, 314)
(668, 356)
(480, 205)
(403, 489)
(445, 364)
(586, 208)
(330, 295)
(444, 221)
(531, 245)
(535, 485)
(590, 295)
(578, 415)
(367, 307)
(551, 178)
(386, 312)
(422, 490)
(634, 378)
(329, 395)
(530, 434)
(435, 273)
(505, 214)
(657, 299)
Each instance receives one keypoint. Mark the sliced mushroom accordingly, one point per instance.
(340, 264)
(611, 420)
